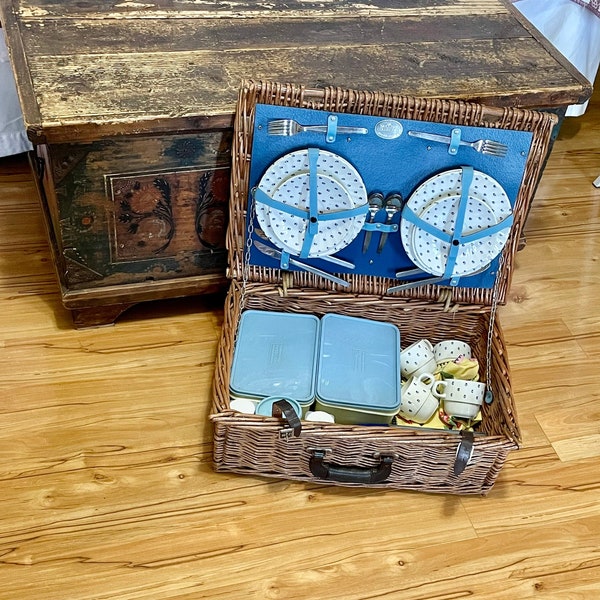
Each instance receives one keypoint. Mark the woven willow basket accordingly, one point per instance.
(395, 457)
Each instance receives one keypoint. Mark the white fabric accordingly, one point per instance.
(13, 139)
(573, 27)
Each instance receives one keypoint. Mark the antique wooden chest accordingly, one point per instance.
(130, 107)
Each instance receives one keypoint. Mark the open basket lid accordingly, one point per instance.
(301, 201)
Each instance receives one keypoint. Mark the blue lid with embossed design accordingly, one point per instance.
(275, 354)
(359, 364)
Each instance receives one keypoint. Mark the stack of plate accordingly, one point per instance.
(339, 188)
(436, 202)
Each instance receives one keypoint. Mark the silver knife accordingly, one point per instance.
(340, 262)
(432, 137)
(276, 254)
(413, 284)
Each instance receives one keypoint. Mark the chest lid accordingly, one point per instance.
(87, 70)
(365, 192)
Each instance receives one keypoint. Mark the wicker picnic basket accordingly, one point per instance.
(378, 456)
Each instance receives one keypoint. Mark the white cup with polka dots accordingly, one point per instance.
(417, 358)
(449, 350)
(417, 402)
(461, 398)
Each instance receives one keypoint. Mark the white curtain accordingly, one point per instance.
(573, 27)
(13, 139)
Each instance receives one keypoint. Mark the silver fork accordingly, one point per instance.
(483, 146)
(291, 127)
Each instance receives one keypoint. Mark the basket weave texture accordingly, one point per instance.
(423, 459)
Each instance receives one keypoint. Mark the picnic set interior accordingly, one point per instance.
(371, 240)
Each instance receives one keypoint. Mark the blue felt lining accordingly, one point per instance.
(390, 165)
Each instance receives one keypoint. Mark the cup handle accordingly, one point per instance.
(423, 377)
(434, 389)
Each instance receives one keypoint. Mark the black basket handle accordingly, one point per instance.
(344, 474)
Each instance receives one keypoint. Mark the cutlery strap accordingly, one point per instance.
(332, 122)
(454, 141)
(382, 227)
(284, 261)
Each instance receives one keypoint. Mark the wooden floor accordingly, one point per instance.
(105, 446)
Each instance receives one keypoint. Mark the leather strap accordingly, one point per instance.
(464, 451)
(312, 227)
(282, 409)
(457, 235)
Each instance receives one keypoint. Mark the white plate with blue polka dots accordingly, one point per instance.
(430, 253)
(449, 183)
(339, 187)
(436, 201)
(290, 230)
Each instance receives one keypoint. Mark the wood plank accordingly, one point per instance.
(64, 37)
(178, 8)
(179, 64)
(83, 93)
(552, 493)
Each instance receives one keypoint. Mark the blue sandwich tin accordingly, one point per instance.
(275, 355)
(358, 378)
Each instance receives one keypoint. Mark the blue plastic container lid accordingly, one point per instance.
(275, 354)
(359, 364)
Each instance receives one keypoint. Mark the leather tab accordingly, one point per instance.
(332, 122)
(284, 261)
(282, 409)
(464, 452)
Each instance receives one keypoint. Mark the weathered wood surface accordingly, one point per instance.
(107, 485)
(86, 72)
